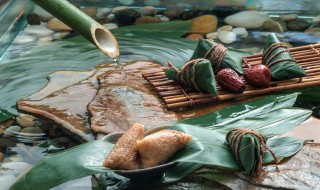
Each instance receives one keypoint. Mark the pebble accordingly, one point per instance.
(25, 120)
(313, 30)
(195, 37)
(43, 14)
(212, 35)
(247, 19)
(111, 26)
(24, 39)
(298, 25)
(204, 24)
(162, 18)
(316, 20)
(240, 32)
(10, 130)
(103, 12)
(173, 12)
(56, 25)
(187, 15)
(45, 40)
(126, 2)
(1, 131)
(7, 181)
(146, 20)
(127, 16)
(1, 157)
(14, 168)
(288, 17)
(118, 9)
(38, 30)
(273, 26)
(14, 158)
(227, 37)
(148, 10)
(151, 2)
(32, 130)
(91, 11)
(33, 19)
(225, 28)
(60, 35)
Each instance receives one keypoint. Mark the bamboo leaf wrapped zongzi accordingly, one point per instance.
(278, 59)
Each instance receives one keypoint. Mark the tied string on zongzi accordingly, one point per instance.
(271, 49)
(236, 137)
(217, 52)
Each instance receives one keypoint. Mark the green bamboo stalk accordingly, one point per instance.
(83, 24)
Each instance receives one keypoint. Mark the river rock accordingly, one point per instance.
(151, 2)
(111, 26)
(273, 26)
(173, 12)
(148, 10)
(227, 37)
(162, 18)
(14, 168)
(247, 19)
(313, 30)
(204, 24)
(298, 25)
(316, 20)
(56, 25)
(10, 130)
(43, 14)
(225, 28)
(187, 15)
(195, 37)
(26, 120)
(24, 39)
(288, 17)
(240, 32)
(1, 131)
(91, 11)
(60, 35)
(127, 16)
(38, 30)
(33, 19)
(1, 157)
(146, 20)
(45, 40)
(126, 2)
(32, 130)
(103, 12)
(121, 8)
(212, 35)
(6, 181)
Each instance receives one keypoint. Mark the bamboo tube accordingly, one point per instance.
(83, 24)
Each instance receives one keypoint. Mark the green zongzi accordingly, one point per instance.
(197, 74)
(219, 56)
(277, 57)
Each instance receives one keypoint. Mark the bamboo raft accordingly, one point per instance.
(175, 96)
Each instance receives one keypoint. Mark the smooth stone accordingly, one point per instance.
(24, 39)
(282, 23)
(194, 37)
(118, 9)
(187, 15)
(63, 140)
(288, 17)
(227, 37)
(1, 131)
(60, 35)
(7, 181)
(10, 130)
(225, 28)
(127, 16)
(241, 32)
(33, 19)
(91, 11)
(247, 19)
(26, 120)
(173, 12)
(14, 168)
(45, 40)
(148, 10)
(1, 157)
(151, 2)
(38, 30)
(298, 25)
(316, 20)
(103, 12)
(146, 20)
(32, 130)
(273, 26)
(204, 24)
(313, 30)
(162, 18)
(126, 2)
(212, 35)
(56, 25)
(14, 158)
(43, 14)
(111, 26)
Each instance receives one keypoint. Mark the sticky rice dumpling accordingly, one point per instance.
(156, 148)
(197, 74)
(219, 56)
(279, 60)
(124, 154)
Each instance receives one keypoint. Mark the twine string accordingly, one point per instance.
(217, 52)
(268, 61)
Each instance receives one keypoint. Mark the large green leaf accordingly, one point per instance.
(207, 147)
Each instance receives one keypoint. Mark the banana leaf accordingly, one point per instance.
(204, 77)
(286, 69)
(207, 147)
(232, 58)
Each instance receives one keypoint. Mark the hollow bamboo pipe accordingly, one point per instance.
(94, 32)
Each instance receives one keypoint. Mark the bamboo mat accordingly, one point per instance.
(175, 96)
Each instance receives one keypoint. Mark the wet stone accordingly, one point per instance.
(173, 13)
(194, 37)
(316, 20)
(288, 17)
(148, 10)
(240, 32)
(187, 15)
(1, 157)
(212, 35)
(146, 20)
(103, 12)
(33, 19)
(25, 120)
(56, 25)
(313, 30)
(298, 25)
(204, 24)
(111, 26)
(273, 26)
(127, 16)
(91, 11)
(225, 28)
(32, 130)
(162, 18)
(10, 130)
(227, 37)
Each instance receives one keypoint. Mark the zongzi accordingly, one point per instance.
(156, 148)
(277, 57)
(197, 74)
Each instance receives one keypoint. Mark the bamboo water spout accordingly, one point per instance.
(83, 24)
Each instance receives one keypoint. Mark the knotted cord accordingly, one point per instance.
(217, 52)
(273, 47)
